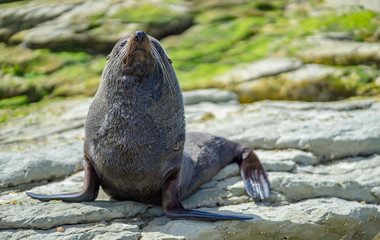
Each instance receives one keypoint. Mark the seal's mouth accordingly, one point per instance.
(140, 55)
(138, 58)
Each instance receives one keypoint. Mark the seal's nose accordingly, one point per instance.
(140, 35)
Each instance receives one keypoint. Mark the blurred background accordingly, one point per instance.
(317, 50)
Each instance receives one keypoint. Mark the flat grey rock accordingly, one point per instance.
(46, 215)
(54, 125)
(209, 95)
(334, 52)
(322, 217)
(31, 166)
(326, 133)
(356, 184)
(289, 155)
(99, 231)
(312, 73)
(322, 161)
(336, 105)
(262, 68)
(73, 183)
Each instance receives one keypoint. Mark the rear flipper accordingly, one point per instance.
(205, 155)
(173, 209)
(89, 192)
(253, 174)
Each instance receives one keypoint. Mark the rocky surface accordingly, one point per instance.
(78, 23)
(323, 163)
(327, 130)
(312, 82)
(263, 68)
(327, 50)
(324, 218)
(322, 158)
(209, 95)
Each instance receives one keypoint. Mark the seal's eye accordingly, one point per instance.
(123, 44)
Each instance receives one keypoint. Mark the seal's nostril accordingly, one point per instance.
(140, 35)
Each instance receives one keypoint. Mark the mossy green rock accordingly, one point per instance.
(21, 61)
(91, 26)
(311, 82)
(206, 41)
(342, 53)
(40, 73)
(19, 65)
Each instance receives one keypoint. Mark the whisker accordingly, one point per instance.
(162, 67)
(114, 60)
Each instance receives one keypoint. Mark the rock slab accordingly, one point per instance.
(322, 160)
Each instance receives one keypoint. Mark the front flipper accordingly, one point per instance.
(173, 209)
(253, 174)
(89, 192)
(182, 213)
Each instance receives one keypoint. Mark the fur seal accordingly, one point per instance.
(135, 144)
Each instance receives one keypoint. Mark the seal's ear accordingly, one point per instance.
(108, 57)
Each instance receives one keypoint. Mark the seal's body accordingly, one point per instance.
(135, 129)
(135, 137)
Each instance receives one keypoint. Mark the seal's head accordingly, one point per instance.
(138, 55)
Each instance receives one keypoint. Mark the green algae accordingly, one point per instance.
(77, 79)
(362, 24)
(18, 107)
(21, 61)
(39, 73)
(363, 79)
(14, 101)
(227, 38)
(201, 51)
(279, 88)
(147, 13)
(73, 57)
